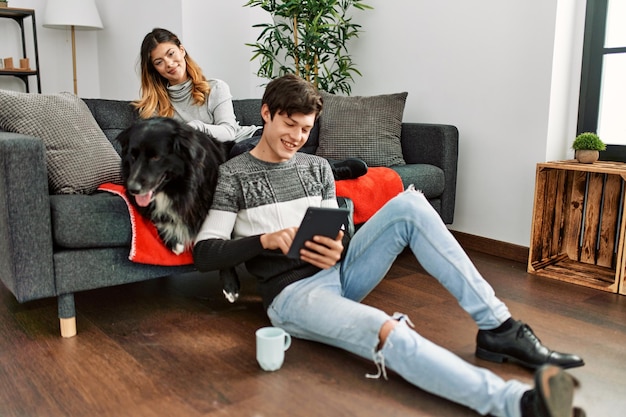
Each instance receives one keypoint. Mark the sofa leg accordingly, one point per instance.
(68, 327)
(67, 314)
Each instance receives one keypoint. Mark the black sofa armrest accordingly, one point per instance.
(434, 144)
(26, 262)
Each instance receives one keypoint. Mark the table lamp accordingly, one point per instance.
(75, 14)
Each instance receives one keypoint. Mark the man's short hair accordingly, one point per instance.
(291, 94)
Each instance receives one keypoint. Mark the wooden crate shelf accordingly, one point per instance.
(577, 233)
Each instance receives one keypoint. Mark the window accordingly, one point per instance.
(603, 83)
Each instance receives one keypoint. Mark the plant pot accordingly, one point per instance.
(3, 4)
(587, 156)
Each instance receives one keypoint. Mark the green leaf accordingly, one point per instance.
(317, 48)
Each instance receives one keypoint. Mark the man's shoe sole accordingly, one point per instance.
(556, 390)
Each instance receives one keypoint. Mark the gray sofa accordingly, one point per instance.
(58, 245)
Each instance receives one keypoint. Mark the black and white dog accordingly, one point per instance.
(170, 173)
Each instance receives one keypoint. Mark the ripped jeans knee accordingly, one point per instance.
(379, 357)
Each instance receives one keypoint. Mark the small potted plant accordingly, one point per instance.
(587, 146)
(4, 3)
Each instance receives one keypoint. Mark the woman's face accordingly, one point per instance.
(169, 61)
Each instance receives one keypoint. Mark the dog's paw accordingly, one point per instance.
(230, 296)
(178, 249)
(230, 284)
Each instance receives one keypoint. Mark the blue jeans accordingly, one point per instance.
(326, 307)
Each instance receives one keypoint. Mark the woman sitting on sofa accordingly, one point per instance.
(172, 85)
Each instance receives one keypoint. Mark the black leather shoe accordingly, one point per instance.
(553, 395)
(348, 169)
(519, 344)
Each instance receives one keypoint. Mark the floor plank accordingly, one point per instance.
(174, 346)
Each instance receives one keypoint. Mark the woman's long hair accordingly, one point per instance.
(154, 98)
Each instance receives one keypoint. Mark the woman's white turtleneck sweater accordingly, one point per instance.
(215, 117)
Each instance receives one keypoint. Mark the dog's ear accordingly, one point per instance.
(187, 142)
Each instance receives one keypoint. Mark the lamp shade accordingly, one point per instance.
(81, 14)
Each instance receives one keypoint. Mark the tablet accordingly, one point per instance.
(321, 221)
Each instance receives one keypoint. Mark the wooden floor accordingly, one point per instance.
(174, 347)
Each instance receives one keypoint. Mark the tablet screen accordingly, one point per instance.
(321, 221)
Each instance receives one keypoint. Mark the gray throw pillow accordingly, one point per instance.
(365, 127)
(79, 157)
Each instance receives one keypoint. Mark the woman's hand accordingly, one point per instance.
(198, 125)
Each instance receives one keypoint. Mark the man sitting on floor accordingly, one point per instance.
(261, 198)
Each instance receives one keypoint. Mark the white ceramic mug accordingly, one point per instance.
(271, 344)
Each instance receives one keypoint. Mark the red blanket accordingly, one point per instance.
(371, 191)
(146, 245)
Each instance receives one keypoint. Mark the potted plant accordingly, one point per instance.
(4, 3)
(587, 146)
(310, 39)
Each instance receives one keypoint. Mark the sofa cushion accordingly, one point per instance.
(99, 220)
(429, 179)
(365, 127)
(78, 155)
(248, 111)
(112, 116)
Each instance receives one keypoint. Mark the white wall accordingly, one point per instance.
(486, 68)
(504, 72)
(120, 41)
(566, 71)
(216, 32)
